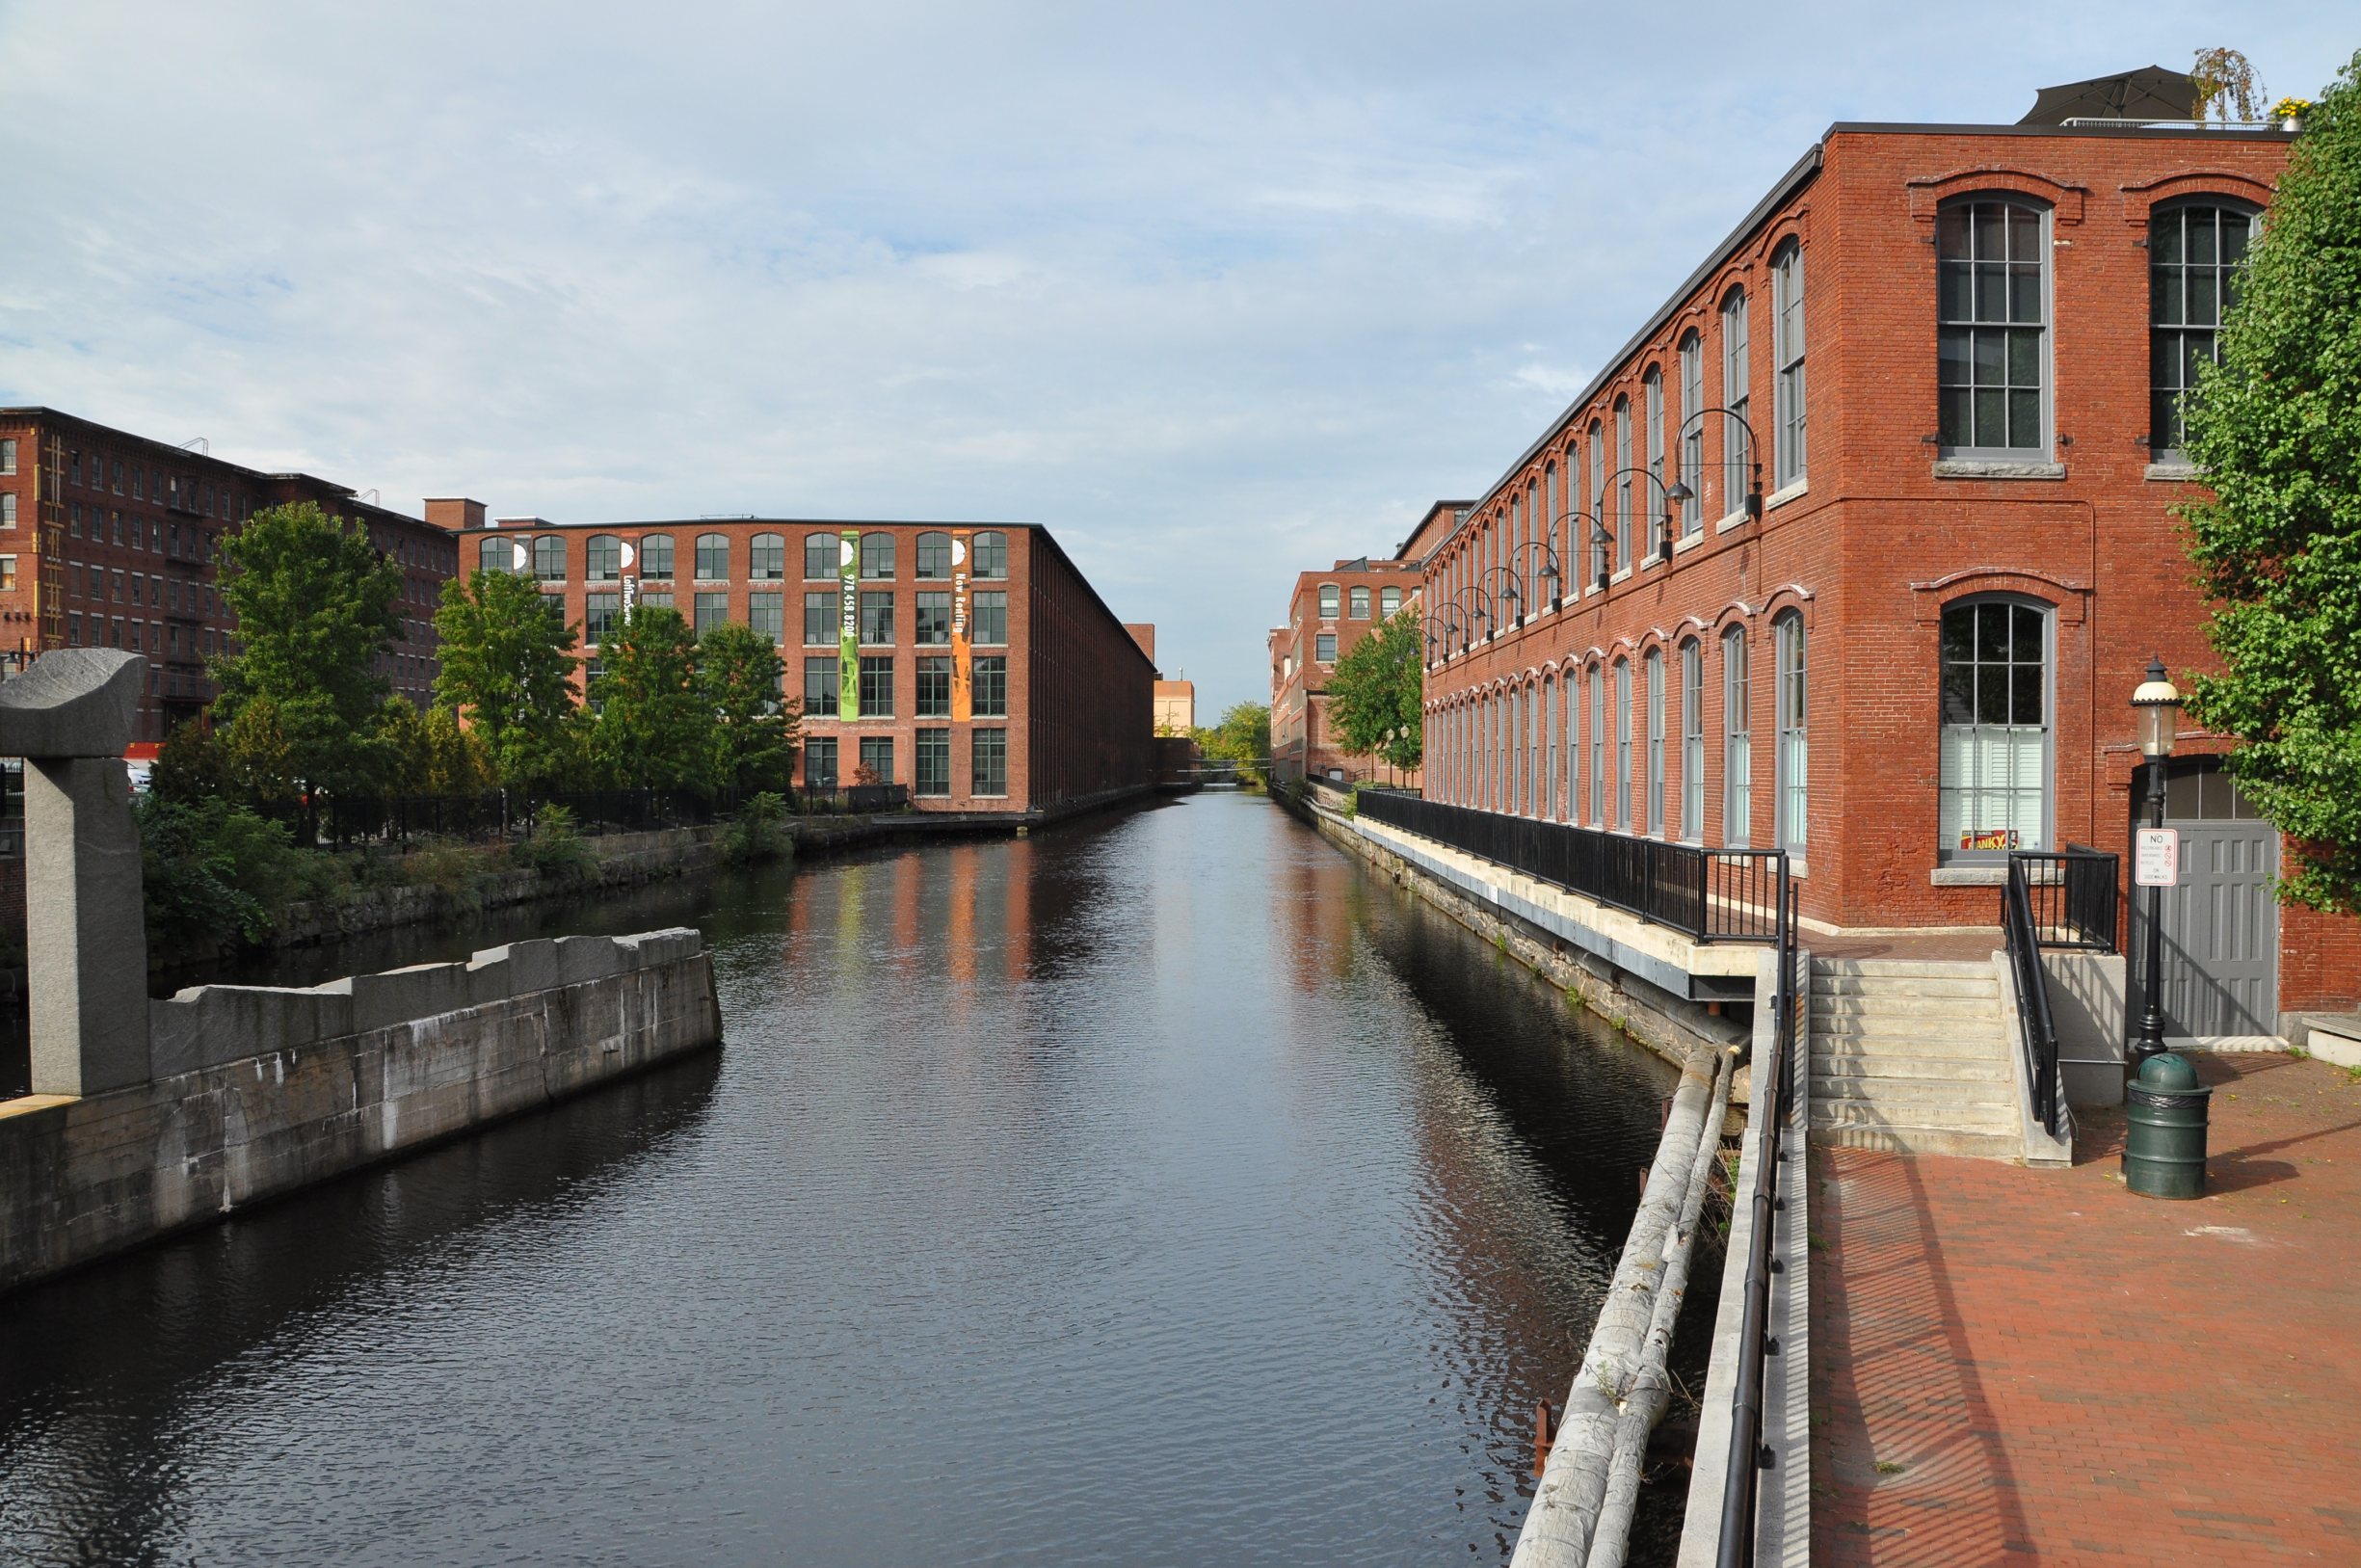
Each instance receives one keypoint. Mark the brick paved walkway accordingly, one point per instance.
(2017, 1366)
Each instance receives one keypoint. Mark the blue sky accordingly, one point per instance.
(1216, 292)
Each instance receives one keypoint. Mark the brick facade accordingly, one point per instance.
(1863, 551)
(1327, 614)
(1076, 717)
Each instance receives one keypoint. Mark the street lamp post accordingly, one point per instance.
(1680, 490)
(1509, 589)
(1549, 566)
(1664, 542)
(1478, 612)
(2158, 704)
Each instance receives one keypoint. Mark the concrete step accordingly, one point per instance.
(1905, 986)
(1928, 968)
(1930, 1113)
(1960, 1008)
(1878, 1027)
(1951, 1096)
(1902, 1139)
(1956, 1069)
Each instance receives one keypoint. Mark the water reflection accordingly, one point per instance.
(1163, 1190)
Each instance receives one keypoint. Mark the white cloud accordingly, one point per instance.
(1215, 292)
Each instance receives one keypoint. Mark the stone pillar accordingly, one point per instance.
(86, 928)
(69, 717)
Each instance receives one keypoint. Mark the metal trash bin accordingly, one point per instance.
(2163, 1144)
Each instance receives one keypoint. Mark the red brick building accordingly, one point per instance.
(972, 663)
(113, 540)
(1327, 614)
(1861, 542)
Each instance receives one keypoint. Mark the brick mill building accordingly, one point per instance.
(1861, 542)
(1327, 614)
(972, 662)
(112, 539)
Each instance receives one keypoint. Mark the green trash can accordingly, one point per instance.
(2164, 1145)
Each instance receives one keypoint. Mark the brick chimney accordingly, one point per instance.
(455, 513)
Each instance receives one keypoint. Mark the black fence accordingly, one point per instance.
(2036, 1030)
(2071, 896)
(487, 815)
(1710, 895)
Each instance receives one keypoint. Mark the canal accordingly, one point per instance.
(1163, 1189)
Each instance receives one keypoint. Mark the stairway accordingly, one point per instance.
(1913, 1057)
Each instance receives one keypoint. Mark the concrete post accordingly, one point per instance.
(69, 717)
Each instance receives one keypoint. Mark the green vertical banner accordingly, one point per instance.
(848, 625)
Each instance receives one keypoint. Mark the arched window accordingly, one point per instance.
(876, 557)
(2193, 251)
(1788, 362)
(1327, 601)
(934, 556)
(602, 558)
(1622, 744)
(492, 553)
(822, 557)
(1737, 380)
(1622, 484)
(713, 557)
(1361, 603)
(1991, 325)
(1652, 386)
(766, 557)
(1995, 764)
(1553, 556)
(1597, 502)
(1548, 746)
(1656, 741)
(1570, 808)
(1597, 746)
(655, 556)
(1737, 742)
(1388, 602)
(1794, 759)
(1692, 432)
(549, 558)
(990, 557)
(1692, 741)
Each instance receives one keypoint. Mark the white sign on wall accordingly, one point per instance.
(2156, 858)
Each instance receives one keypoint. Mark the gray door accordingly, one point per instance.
(2221, 923)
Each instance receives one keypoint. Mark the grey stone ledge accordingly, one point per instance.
(2172, 472)
(1967, 876)
(1980, 468)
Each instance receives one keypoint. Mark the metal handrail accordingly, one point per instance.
(2073, 895)
(1741, 1477)
(1707, 894)
(2036, 1030)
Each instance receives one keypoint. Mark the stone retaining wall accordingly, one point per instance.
(257, 1090)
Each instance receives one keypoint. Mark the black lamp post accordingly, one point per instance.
(1439, 629)
(2157, 703)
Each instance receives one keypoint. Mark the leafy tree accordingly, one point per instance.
(191, 766)
(1242, 736)
(742, 677)
(215, 870)
(260, 762)
(315, 607)
(2277, 427)
(2227, 87)
(654, 728)
(453, 760)
(401, 730)
(1375, 692)
(507, 670)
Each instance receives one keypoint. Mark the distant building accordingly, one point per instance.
(1175, 706)
(1327, 614)
(112, 539)
(974, 664)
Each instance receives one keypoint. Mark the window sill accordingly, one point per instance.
(1688, 542)
(2173, 472)
(1619, 576)
(1968, 876)
(1996, 469)
(1799, 868)
(1780, 497)
(1734, 519)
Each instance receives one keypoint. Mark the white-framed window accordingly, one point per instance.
(1360, 602)
(1622, 744)
(1324, 648)
(1736, 741)
(7, 454)
(1622, 484)
(1692, 741)
(2193, 251)
(602, 558)
(1570, 809)
(1548, 747)
(1652, 385)
(1597, 746)
(766, 557)
(1656, 741)
(1788, 361)
(1693, 431)
(1598, 499)
(822, 557)
(713, 557)
(1388, 602)
(1330, 600)
(1992, 306)
(1996, 753)
(1737, 379)
(1795, 756)
(549, 558)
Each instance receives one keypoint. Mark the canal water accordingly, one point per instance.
(1163, 1189)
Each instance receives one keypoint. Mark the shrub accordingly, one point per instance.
(215, 870)
(759, 831)
(555, 848)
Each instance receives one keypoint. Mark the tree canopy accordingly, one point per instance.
(1242, 736)
(1376, 692)
(2276, 427)
(653, 729)
(741, 675)
(315, 607)
(507, 670)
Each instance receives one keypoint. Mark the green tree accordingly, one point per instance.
(1376, 692)
(455, 762)
(507, 672)
(754, 728)
(654, 728)
(1242, 734)
(254, 748)
(191, 766)
(2277, 427)
(315, 607)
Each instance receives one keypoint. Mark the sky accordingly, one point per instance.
(1218, 292)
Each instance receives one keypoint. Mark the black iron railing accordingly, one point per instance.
(2071, 895)
(2036, 1030)
(1710, 895)
(1774, 1092)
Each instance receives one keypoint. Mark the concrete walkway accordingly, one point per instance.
(2017, 1366)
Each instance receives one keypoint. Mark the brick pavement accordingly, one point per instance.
(2018, 1367)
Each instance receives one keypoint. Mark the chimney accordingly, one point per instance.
(455, 513)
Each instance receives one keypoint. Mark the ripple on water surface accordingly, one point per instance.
(1159, 1190)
